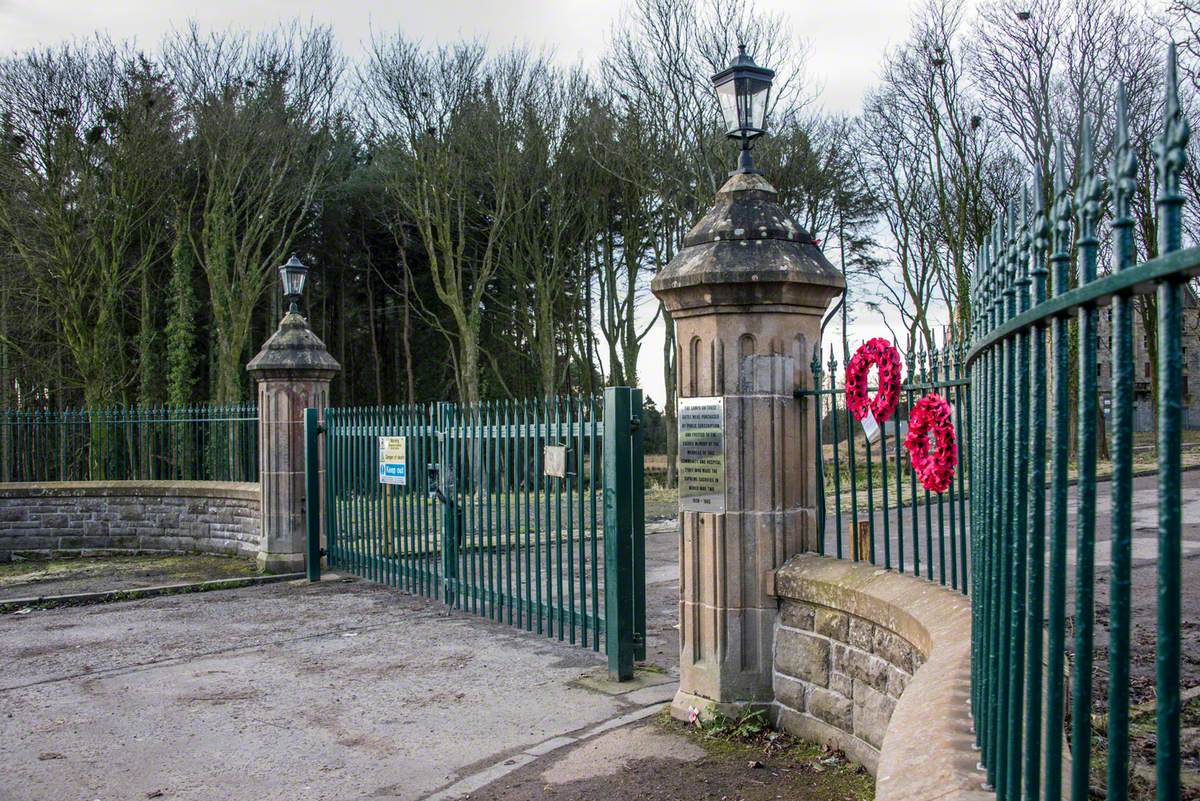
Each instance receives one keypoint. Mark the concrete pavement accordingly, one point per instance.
(330, 691)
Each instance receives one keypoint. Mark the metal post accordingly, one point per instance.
(637, 502)
(447, 494)
(618, 532)
(312, 493)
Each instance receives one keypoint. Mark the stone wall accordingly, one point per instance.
(841, 671)
(878, 664)
(88, 517)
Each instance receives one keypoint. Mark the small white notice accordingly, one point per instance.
(870, 427)
(393, 467)
(702, 455)
(555, 460)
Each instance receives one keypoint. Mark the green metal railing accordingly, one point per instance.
(1024, 385)
(178, 443)
(478, 523)
(865, 484)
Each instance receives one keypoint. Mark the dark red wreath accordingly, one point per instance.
(886, 358)
(931, 415)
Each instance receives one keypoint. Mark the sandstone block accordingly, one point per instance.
(798, 615)
(790, 692)
(861, 634)
(894, 649)
(834, 709)
(897, 682)
(872, 712)
(861, 666)
(57, 520)
(13, 514)
(832, 624)
(802, 656)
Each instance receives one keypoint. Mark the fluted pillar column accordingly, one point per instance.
(293, 371)
(747, 292)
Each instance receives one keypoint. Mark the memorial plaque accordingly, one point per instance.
(393, 464)
(702, 455)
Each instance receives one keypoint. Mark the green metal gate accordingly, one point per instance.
(480, 523)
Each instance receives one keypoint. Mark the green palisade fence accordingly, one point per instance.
(1025, 386)
(168, 443)
(873, 484)
(479, 525)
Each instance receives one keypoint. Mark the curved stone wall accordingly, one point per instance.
(84, 517)
(878, 664)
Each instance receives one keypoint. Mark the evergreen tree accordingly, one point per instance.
(181, 324)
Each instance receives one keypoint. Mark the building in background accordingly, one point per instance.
(1143, 405)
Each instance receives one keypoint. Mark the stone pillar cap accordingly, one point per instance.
(747, 252)
(294, 351)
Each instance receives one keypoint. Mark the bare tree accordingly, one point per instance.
(450, 122)
(257, 114)
(88, 190)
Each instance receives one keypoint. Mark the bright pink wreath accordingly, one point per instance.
(886, 358)
(931, 415)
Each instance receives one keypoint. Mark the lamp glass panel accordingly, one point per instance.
(762, 94)
(752, 97)
(727, 94)
(293, 281)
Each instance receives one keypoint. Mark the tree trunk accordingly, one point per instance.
(544, 326)
(375, 360)
(406, 341)
(468, 363)
(1147, 306)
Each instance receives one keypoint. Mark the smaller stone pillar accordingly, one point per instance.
(293, 371)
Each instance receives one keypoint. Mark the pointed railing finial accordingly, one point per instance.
(1025, 235)
(1090, 190)
(1170, 149)
(1041, 219)
(1122, 176)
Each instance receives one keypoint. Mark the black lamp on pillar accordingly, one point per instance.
(744, 89)
(292, 275)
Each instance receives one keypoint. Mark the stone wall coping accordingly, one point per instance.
(109, 489)
(928, 750)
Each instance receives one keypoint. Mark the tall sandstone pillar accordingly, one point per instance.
(747, 292)
(293, 371)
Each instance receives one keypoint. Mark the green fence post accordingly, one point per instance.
(637, 499)
(446, 438)
(312, 493)
(618, 532)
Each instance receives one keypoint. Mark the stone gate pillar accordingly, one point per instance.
(293, 371)
(747, 292)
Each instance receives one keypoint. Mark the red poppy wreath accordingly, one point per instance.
(886, 358)
(931, 415)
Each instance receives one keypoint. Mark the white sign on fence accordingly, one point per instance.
(393, 468)
(554, 459)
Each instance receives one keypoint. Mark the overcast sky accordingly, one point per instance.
(847, 39)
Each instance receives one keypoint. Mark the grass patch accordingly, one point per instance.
(748, 738)
(1142, 740)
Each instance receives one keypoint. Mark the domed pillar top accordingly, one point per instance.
(747, 254)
